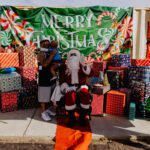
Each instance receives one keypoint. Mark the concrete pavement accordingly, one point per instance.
(26, 125)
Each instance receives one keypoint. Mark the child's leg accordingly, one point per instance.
(52, 70)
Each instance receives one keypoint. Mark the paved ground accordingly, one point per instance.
(27, 128)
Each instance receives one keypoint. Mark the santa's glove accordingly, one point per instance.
(72, 88)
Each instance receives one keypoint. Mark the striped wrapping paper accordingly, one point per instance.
(119, 60)
(140, 62)
(9, 60)
(28, 76)
(10, 82)
(27, 57)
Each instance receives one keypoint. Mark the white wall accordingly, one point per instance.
(77, 3)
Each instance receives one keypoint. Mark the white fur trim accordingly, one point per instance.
(87, 71)
(85, 87)
(85, 106)
(72, 107)
(74, 76)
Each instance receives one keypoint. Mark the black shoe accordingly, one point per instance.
(72, 119)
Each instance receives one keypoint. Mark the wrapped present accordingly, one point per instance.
(28, 97)
(115, 103)
(100, 89)
(125, 73)
(140, 62)
(139, 73)
(97, 104)
(138, 90)
(132, 111)
(27, 57)
(28, 76)
(133, 73)
(116, 78)
(144, 74)
(128, 98)
(10, 82)
(9, 60)
(99, 66)
(119, 60)
(9, 101)
(147, 90)
(140, 109)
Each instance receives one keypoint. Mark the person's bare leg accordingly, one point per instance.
(43, 107)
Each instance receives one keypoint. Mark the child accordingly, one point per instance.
(56, 59)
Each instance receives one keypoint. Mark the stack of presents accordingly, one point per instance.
(121, 87)
(18, 85)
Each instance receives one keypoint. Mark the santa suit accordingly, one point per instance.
(73, 78)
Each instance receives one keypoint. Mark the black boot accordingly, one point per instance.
(82, 118)
(72, 118)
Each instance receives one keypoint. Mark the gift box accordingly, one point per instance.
(133, 73)
(132, 111)
(100, 90)
(99, 66)
(9, 101)
(116, 78)
(28, 76)
(140, 109)
(119, 60)
(140, 62)
(147, 90)
(9, 60)
(144, 74)
(28, 97)
(125, 73)
(27, 57)
(138, 90)
(128, 98)
(140, 73)
(115, 103)
(97, 104)
(10, 82)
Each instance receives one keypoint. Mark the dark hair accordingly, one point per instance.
(45, 43)
(54, 44)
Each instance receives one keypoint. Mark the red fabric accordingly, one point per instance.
(76, 138)
(67, 78)
(84, 97)
(148, 51)
(70, 98)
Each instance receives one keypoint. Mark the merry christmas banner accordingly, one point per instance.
(103, 30)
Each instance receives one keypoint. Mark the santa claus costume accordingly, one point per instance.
(73, 78)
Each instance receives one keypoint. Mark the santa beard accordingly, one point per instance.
(73, 64)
